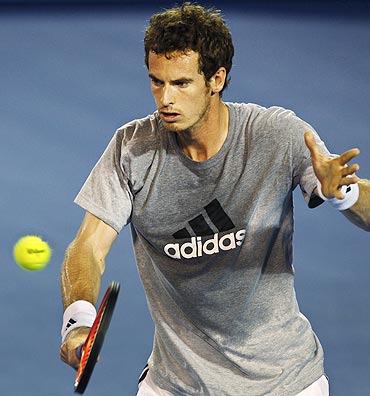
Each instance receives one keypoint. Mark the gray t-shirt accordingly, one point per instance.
(213, 244)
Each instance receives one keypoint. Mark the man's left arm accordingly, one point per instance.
(334, 175)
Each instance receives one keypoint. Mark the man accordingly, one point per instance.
(206, 187)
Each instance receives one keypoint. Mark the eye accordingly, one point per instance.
(182, 84)
(156, 82)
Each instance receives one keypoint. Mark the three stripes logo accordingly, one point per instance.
(70, 323)
(207, 228)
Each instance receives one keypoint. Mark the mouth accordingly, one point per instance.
(169, 116)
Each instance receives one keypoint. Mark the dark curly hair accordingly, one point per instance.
(192, 27)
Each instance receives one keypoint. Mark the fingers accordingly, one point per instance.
(348, 156)
(68, 350)
(315, 151)
(69, 356)
(345, 176)
(348, 174)
(348, 171)
(346, 181)
(333, 173)
(342, 160)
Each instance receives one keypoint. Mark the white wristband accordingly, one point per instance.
(350, 192)
(78, 314)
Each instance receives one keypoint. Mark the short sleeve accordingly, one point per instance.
(106, 193)
(293, 128)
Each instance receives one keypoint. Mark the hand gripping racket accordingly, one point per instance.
(89, 351)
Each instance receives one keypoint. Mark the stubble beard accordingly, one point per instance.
(201, 120)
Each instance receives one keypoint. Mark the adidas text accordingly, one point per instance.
(197, 247)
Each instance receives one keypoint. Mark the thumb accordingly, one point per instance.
(311, 144)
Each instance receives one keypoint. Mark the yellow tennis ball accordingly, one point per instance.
(31, 253)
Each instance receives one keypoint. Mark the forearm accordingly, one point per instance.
(81, 274)
(359, 213)
(80, 280)
(84, 261)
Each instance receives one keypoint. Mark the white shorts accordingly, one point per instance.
(318, 388)
(148, 388)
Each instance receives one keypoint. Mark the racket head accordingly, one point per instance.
(91, 348)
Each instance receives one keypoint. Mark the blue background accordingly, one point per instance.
(71, 74)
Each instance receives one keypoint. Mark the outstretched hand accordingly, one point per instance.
(333, 173)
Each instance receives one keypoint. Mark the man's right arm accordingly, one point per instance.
(82, 270)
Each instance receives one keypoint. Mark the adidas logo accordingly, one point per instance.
(213, 222)
(70, 323)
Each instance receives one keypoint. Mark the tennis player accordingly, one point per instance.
(207, 188)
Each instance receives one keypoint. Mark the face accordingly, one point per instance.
(181, 94)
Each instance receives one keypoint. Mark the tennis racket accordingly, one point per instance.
(89, 351)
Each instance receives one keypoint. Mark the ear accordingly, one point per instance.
(217, 81)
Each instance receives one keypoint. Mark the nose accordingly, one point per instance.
(167, 96)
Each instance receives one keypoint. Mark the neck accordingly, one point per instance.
(206, 140)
